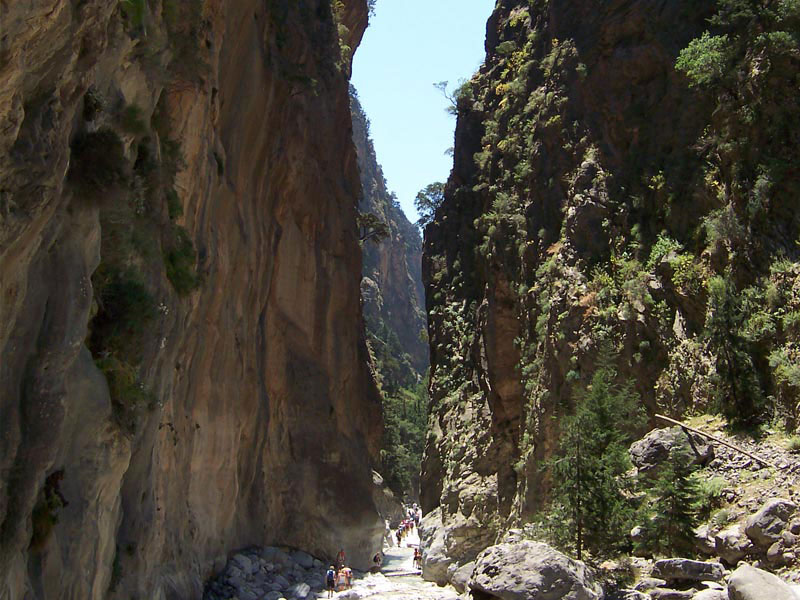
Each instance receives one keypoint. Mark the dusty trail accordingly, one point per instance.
(398, 578)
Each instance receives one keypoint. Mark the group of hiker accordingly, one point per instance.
(407, 525)
(339, 576)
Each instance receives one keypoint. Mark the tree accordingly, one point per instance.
(427, 202)
(372, 228)
(669, 528)
(589, 498)
(739, 394)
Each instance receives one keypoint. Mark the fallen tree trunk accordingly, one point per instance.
(718, 440)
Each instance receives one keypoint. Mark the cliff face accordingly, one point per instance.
(392, 289)
(182, 363)
(600, 208)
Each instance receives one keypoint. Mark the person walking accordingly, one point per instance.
(330, 581)
(340, 559)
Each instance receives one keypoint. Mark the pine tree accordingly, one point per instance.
(670, 529)
(589, 497)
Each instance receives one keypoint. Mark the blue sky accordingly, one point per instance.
(409, 46)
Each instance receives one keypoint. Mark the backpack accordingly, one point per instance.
(330, 576)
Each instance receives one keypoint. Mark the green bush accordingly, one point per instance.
(129, 397)
(180, 261)
(705, 60)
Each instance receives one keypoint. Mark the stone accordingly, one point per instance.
(460, 576)
(526, 570)
(303, 559)
(300, 591)
(750, 583)
(670, 594)
(627, 594)
(704, 541)
(648, 583)
(732, 545)
(684, 569)
(282, 581)
(711, 594)
(777, 555)
(653, 449)
(765, 527)
(273, 596)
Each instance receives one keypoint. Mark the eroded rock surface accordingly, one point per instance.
(192, 162)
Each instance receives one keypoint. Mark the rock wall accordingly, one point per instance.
(182, 363)
(392, 290)
(597, 210)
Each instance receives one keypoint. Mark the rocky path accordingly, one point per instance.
(275, 574)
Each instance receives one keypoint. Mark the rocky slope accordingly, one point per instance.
(182, 362)
(392, 291)
(606, 206)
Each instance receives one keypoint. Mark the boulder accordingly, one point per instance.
(523, 570)
(684, 569)
(435, 561)
(303, 559)
(732, 545)
(704, 541)
(765, 527)
(300, 591)
(711, 595)
(627, 594)
(273, 596)
(460, 576)
(749, 583)
(282, 581)
(654, 448)
(243, 563)
(669, 594)
(648, 583)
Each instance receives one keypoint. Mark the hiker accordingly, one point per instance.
(377, 560)
(340, 559)
(348, 577)
(341, 579)
(399, 535)
(330, 581)
(417, 558)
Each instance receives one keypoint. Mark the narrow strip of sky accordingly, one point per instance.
(409, 46)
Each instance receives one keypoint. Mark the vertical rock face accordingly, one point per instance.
(593, 212)
(178, 195)
(392, 291)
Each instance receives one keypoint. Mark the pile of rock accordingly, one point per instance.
(268, 574)
(684, 579)
(769, 537)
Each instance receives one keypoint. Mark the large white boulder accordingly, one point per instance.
(524, 570)
(749, 583)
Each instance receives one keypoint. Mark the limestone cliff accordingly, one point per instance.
(182, 362)
(392, 292)
(606, 205)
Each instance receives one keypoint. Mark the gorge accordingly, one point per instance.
(211, 306)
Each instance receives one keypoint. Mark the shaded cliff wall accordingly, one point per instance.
(598, 209)
(182, 362)
(392, 290)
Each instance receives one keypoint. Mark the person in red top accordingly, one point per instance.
(340, 559)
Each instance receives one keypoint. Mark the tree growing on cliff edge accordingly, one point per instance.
(589, 490)
(428, 200)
